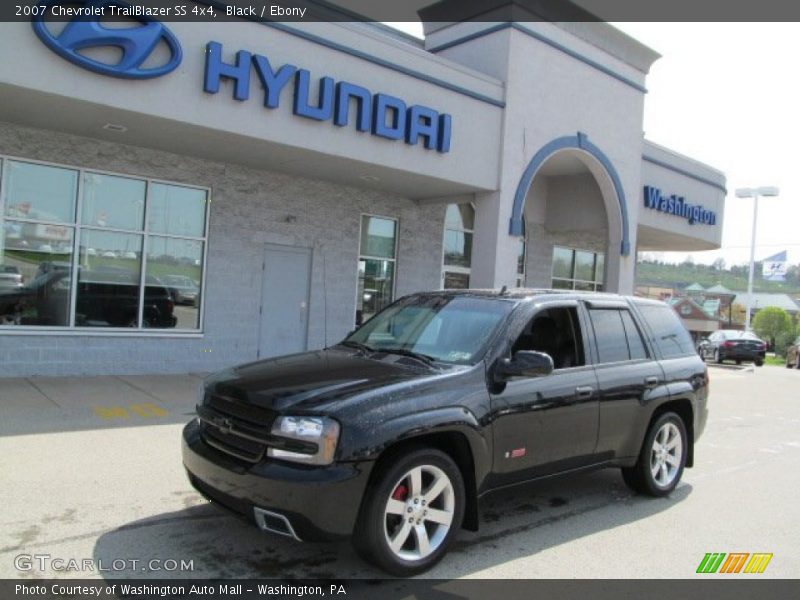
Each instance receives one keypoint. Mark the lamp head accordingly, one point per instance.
(766, 191)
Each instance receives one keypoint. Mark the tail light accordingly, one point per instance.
(170, 306)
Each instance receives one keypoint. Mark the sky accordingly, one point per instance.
(728, 95)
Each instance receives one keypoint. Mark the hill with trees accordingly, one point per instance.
(657, 273)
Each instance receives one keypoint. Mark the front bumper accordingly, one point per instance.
(320, 503)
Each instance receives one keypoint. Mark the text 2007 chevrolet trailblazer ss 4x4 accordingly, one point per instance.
(393, 435)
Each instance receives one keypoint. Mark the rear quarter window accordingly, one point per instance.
(668, 333)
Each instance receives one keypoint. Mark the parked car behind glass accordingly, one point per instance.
(10, 277)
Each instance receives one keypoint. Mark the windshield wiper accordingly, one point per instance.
(426, 358)
(357, 345)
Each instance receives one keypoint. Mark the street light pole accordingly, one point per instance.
(753, 193)
(752, 264)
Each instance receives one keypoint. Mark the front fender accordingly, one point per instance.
(403, 428)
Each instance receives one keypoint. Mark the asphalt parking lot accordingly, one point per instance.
(91, 469)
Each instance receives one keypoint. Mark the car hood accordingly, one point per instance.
(311, 380)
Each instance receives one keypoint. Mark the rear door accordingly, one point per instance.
(628, 374)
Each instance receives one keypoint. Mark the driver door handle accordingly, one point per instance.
(651, 381)
(584, 391)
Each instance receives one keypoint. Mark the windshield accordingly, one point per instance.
(452, 329)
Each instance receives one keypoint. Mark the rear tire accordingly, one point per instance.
(661, 459)
(759, 363)
(412, 512)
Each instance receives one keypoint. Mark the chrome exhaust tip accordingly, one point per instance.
(274, 523)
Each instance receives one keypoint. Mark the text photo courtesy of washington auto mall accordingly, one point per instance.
(410, 299)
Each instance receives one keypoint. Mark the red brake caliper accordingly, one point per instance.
(400, 493)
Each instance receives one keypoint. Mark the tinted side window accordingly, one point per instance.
(609, 332)
(556, 332)
(669, 334)
(635, 343)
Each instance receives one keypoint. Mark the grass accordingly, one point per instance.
(775, 361)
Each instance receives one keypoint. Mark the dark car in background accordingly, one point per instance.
(394, 435)
(106, 297)
(793, 355)
(184, 290)
(732, 344)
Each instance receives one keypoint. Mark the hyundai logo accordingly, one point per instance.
(84, 32)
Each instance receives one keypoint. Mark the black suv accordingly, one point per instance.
(393, 435)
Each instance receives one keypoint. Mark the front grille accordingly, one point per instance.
(235, 428)
(231, 407)
(233, 444)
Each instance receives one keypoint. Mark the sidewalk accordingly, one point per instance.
(46, 404)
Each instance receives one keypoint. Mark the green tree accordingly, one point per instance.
(771, 322)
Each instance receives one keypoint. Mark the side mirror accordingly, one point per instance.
(525, 363)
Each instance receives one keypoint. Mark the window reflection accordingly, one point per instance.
(115, 202)
(177, 265)
(177, 210)
(109, 279)
(40, 234)
(35, 283)
(40, 192)
(378, 237)
(458, 229)
(577, 269)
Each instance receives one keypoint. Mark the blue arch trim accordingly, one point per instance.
(581, 142)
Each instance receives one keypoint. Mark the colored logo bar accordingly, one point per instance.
(734, 562)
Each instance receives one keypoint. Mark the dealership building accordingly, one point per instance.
(241, 189)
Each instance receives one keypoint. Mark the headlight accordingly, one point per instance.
(321, 433)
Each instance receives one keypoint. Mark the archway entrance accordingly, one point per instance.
(570, 207)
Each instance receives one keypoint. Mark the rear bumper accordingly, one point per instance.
(320, 503)
(736, 354)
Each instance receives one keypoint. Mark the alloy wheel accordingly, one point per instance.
(666, 454)
(419, 512)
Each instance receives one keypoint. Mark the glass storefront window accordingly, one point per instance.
(109, 278)
(460, 216)
(562, 263)
(459, 222)
(577, 269)
(584, 265)
(600, 269)
(177, 266)
(378, 236)
(521, 263)
(456, 281)
(177, 210)
(40, 192)
(41, 233)
(114, 202)
(457, 248)
(35, 281)
(376, 266)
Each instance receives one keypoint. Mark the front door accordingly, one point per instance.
(284, 300)
(548, 424)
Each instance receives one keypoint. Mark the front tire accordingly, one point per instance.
(412, 513)
(662, 458)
